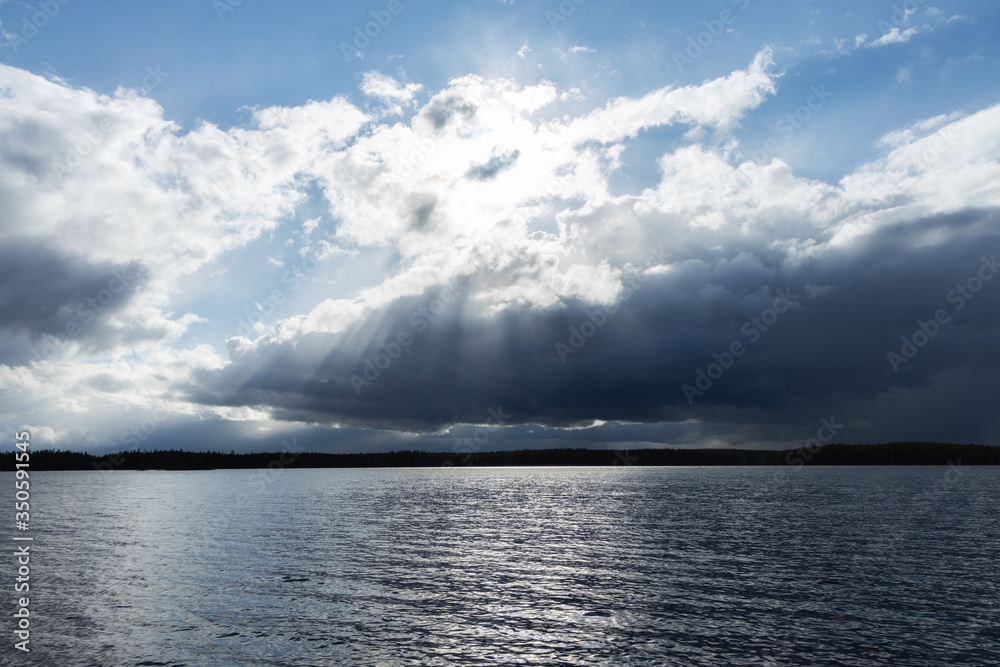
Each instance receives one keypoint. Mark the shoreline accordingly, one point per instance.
(889, 454)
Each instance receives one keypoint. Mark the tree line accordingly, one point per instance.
(896, 453)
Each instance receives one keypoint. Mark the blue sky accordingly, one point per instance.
(266, 54)
(758, 141)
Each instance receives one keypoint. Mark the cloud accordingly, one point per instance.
(899, 32)
(729, 237)
(181, 199)
(493, 166)
(494, 202)
(829, 350)
(573, 50)
(396, 94)
(718, 103)
(895, 36)
(107, 206)
(50, 302)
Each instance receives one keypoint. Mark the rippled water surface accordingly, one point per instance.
(570, 566)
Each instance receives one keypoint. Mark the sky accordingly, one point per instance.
(471, 226)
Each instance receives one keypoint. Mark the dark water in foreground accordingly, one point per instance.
(572, 566)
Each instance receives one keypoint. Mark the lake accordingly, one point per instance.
(557, 566)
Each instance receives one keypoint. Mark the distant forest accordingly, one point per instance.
(897, 453)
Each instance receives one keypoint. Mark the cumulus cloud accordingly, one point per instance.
(394, 94)
(728, 238)
(518, 278)
(106, 206)
(825, 245)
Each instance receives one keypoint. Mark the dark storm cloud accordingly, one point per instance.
(45, 292)
(816, 336)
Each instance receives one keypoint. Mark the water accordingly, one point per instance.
(572, 566)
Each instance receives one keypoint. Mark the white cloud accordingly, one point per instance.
(939, 165)
(376, 84)
(720, 103)
(478, 182)
(895, 36)
(180, 199)
(107, 180)
(573, 50)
